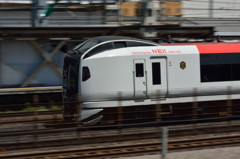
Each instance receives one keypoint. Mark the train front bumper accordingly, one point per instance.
(90, 116)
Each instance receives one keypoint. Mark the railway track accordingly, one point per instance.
(42, 138)
(30, 131)
(30, 117)
(30, 113)
(132, 149)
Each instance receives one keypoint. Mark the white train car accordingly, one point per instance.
(112, 70)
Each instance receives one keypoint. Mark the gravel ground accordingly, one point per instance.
(219, 153)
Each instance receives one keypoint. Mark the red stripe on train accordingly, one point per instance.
(211, 48)
(218, 48)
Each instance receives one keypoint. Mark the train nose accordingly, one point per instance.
(90, 116)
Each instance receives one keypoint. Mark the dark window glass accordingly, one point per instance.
(73, 79)
(98, 49)
(236, 72)
(220, 67)
(156, 73)
(85, 74)
(139, 70)
(86, 45)
(214, 73)
(210, 59)
(136, 44)
(70, 74)
(119, 44)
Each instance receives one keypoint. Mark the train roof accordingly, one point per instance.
(102, 43)
(100, 39)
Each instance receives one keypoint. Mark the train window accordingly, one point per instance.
(119, 44)
(73, 80)
(156, 73)
(139, 70)
(70, 74)
(85, 74)
(216, 73)
(136, 44)
(98, 49)
(220, 67)
(87, 45)
(236, 72)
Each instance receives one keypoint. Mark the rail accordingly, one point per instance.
(189, 128)
(133, 147)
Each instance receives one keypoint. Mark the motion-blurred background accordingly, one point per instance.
(35, 34)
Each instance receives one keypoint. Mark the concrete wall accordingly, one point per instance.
(19, 59)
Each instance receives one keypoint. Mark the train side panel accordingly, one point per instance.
(183, 72)
(109, 79)
(114, 75)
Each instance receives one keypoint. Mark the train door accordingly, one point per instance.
(157, 78)
(140, 88)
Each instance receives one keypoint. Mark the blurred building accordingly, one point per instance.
(211, 8)
(221, 14)
(37, 61)
(64, 13)
(91, 12)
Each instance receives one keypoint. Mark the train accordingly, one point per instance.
(109, 71)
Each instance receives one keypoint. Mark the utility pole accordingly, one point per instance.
(164, 143)
(1, 65)
(40, 11)
(120, 12)
(210, 8)
(34, 12)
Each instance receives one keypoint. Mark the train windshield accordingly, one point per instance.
(70, 75)
(83, 47)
